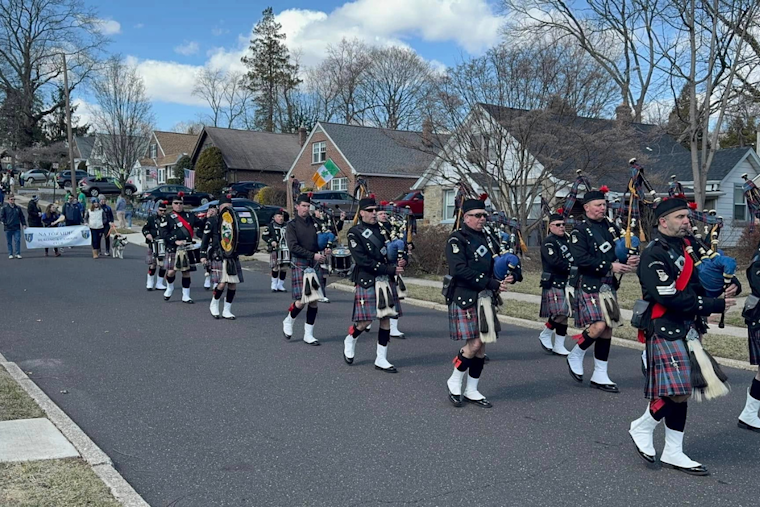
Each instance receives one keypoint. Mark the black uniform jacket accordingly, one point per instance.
(156, 226)
(301, 235)
(176, 230)
(658, 271)
(592, 246)
(211, 244)
(368, 250)
(274, 232)
(470, 266)
(555, 259)
(753, 276)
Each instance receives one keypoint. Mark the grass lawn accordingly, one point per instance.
(60, 483)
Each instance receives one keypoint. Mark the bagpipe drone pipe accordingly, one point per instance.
(402, 226)
(505, 240)
(638, 199)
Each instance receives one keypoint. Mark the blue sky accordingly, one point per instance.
(170, 40)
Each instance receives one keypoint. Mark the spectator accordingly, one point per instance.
(82, 199)
(51, 218)
(2, 196)
(95, 219)
(34, 211)
(107, 221)
(14, 222)
(72, 212)
(130, 211)
(121, 212)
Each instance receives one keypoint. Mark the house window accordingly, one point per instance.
(740, 205)
(339, 184)
(153, 151)
(161, 175)
(448, 204)
(318, 152)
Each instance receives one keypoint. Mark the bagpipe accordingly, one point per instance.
(640, 195)
(505, 241)
(464, 190)
(326, 235)
(674, 187)
(361, 190)
(402, 227)
(572, 196)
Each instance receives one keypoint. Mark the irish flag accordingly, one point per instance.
(325, 173)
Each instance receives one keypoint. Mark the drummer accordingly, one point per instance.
(213, 210)
(154, 231)
(226, 271)
(279, 255)
(399, 259)
(180, 231)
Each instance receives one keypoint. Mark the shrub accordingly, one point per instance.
(746, 246)
(183, 163)
(273, 196)
(429, 254)
(210, 171)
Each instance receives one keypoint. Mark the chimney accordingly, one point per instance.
(623, 113)
(302, 135)
(427, 133)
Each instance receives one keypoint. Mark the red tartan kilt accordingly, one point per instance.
(586, 311)
(216, 271)
(462, 327)
(298, 265)
(553, 303)
(668, 368)
(368, 310)
(150, 258)
(754, 346)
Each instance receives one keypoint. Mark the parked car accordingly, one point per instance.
(252, 216)
(93, 186)
(415, 201)
(342, 200)
(169, 192)
(263, 213)
(35, 176)
(243, 188)
(64, 178)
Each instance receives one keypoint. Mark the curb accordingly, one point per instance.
(99, 461)
(532, 324)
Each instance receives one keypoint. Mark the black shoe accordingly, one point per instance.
(281, 290)
(286, 336)
(392, 369)
(167, 298)
(274, 290)
(576, 377)
(455, 399)
(150, 290)
(230, 318)
(401, 336)
(486, 358)
(189, 302)
(746, 426)
(348, 360)
(484, 403)
(699, 471)
(315, 343)
(607, 388)
(646, 457)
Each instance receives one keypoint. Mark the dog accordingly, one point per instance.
(118, 244)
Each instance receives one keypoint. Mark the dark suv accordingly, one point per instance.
(95, 186)
(63, 180)
(243, 188)
(169, 192)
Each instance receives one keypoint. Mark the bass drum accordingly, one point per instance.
(248, 229)
(230, 232)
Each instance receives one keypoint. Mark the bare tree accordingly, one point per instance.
(344, 73)
(123, 117)
(625, 37)
(188, 127)
(34, 35)
(226, 94)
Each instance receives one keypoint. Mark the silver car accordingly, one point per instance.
(35, 176)
(333, 198)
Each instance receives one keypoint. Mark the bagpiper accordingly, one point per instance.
(180, 232)
(154, 230)
(397, 256)
(556, 261)
(274, 238)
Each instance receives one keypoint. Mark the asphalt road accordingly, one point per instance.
(199, 412)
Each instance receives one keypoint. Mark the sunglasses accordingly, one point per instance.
(371, 210)
(176, 202)
(557, 225)
(478, 215)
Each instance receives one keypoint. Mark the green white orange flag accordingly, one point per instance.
(325, 173)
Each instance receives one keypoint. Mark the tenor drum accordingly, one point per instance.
(283, 255)
(341, 260)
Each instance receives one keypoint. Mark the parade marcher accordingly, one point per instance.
(51, 218)
(470, 289)
(305, 258)
(592, 245)
(374, 296)
(677, 304)
(34, 212)
(12, 217)
(108, 219)
(748, 419)
(383, 219)
(72, 212)
(179, 233)
(155, 229)
(95, 218)
(213, 210)
(555, 261)
(226, 271)
(274, 237)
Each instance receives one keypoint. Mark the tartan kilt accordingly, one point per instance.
(754, 345)
(462, 327)
(553, 303)
(368, 311)
(169, 259)
(150, 258)
(216, 270)
(586, 311)
(664, 378)
(298, 265)
(396, 300)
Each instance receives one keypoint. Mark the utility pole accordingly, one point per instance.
(68, 128)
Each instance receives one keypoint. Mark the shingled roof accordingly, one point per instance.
(723, 162)
(376, 151)
(83, 146)
(249, 150)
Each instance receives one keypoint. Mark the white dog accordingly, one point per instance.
(118, 244)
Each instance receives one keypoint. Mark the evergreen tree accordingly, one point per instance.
(55, 124)
(179, 170)
(740, 132)
(210, 171)
(271, 74)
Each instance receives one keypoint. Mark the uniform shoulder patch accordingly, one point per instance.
(353, 243)
(455, 247)
(574, 238)
(550, 250)
(662, 275)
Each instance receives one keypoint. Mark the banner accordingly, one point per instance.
(56, 237)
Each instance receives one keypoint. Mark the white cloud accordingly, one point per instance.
(168, 81)
(108, 26)
(84, 111)
(187, 48)
(139, 25)
(218, 30)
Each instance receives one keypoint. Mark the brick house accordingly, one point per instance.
(249, 155)
(161, 155)
(390, 160)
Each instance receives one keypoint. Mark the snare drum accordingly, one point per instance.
(341, 260)
(194, 253)
(159, 248)
(283, 254)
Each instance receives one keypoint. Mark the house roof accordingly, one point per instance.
(83, 145)
(249, 150)
(648, 143)
(376, 151)
(174, 142)
(723, 163)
